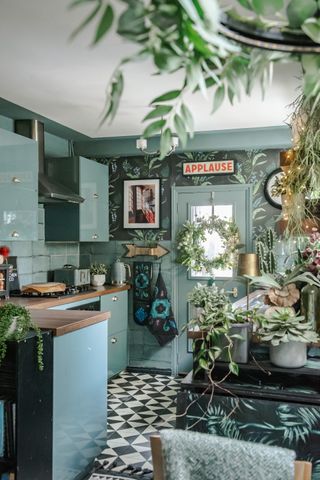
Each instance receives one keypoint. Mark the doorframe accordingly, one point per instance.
(175, 191)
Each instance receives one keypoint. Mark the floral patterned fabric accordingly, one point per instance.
(161, 321)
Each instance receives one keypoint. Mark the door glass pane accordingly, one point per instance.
(213, 243)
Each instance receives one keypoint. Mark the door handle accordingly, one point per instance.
(114, 340)
(115, 298)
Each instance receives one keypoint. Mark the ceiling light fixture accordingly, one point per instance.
(142, 144)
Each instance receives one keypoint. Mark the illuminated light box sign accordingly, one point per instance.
(224, 167)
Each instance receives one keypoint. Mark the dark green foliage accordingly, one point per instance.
(10, 315)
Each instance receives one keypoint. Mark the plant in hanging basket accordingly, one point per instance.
(15, 323)
(190, 244)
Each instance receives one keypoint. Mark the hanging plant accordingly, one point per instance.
(190, 239)
(225, 54)
(15, 323)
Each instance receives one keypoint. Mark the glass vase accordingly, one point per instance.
(310, 305)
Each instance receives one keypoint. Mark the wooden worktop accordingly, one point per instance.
(61, 322)
(47, 302)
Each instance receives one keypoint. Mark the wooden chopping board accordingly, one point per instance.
(49, 287)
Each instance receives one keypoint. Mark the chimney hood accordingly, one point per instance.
(49, 190)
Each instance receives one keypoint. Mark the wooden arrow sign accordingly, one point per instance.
(134, 251)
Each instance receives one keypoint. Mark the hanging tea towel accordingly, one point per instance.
(161, 322)
(142, 274)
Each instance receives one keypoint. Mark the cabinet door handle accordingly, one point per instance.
(95, 195)
(15, 235)
(114, 340)
(95, 236)
(115, 298)
(16, 180)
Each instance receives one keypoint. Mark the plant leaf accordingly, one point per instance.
(165, 143)
(218, 98)
(263, 7)
(153, 128)
(180, 129)
(158, 111)
(188, 119)
(86, 20)
(167, 96)
(298, 11)
(311, 27)
(104, 24)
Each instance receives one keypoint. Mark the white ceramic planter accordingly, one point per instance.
(289, 355)
(98, 280)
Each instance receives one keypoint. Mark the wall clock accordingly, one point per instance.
(274, 200)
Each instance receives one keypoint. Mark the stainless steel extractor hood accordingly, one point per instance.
(49, 189)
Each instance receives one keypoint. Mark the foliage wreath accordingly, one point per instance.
(192, 254)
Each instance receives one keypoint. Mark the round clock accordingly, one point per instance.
(274, 200)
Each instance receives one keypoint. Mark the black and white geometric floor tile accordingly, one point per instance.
(138, 405)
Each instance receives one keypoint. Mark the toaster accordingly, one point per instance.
(72, 276)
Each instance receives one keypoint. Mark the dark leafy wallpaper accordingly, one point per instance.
(253, 167)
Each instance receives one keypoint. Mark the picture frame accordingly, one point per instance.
(141, 203)
(274, 200)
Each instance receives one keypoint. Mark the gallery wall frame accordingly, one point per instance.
(141, 203)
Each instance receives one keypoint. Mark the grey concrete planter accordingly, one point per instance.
(289, 355)
(240, 349)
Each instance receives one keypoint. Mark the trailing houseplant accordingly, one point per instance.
(214, 325)
(98, 274)
(190, 36)
(15, 323)
(288, 335)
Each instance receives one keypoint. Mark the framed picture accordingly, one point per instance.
(274, 200)
(141, 203)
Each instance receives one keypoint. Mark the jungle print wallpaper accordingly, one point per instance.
(253, 166)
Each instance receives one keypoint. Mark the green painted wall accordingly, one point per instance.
(253, 167)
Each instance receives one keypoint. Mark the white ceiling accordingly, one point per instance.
(65, 81)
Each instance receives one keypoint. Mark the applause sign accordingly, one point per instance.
(222, 167)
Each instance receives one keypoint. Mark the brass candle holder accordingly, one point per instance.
(248, 264)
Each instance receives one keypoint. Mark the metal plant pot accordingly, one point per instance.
(240, 349)
(289, 354)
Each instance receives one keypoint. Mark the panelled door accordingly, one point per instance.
(226, 201)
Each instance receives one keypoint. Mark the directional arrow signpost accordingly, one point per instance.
(134, 251)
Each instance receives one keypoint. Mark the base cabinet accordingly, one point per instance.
(58, 417)
(117, 305)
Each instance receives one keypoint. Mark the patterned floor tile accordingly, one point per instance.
(138, 405)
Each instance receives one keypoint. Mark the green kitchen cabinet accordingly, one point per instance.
(18, 189)
(117, 305)
(84, 222)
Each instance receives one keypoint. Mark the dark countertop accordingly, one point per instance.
(61, 322)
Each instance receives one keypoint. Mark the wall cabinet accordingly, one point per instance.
(85, 222)
(117, 305)
(18, 192)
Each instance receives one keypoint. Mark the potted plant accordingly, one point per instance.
(288, 335)
(282, 289)
(15, 323)
(98, 274)
(220, 332)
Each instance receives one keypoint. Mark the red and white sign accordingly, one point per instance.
(209, 168)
